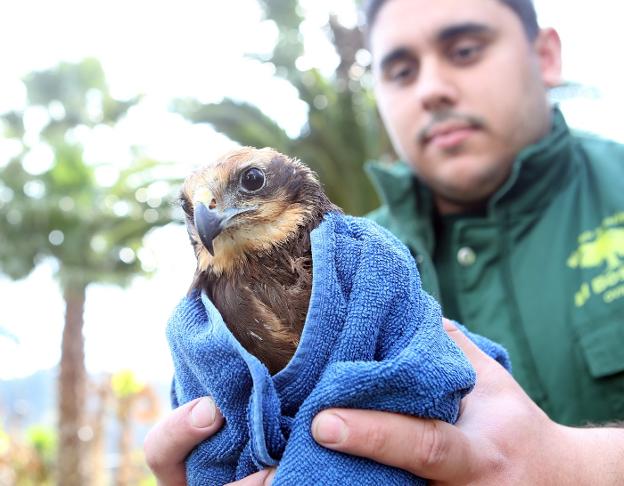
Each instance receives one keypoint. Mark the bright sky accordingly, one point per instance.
(195, 49)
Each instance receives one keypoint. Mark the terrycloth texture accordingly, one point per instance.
(372, 339)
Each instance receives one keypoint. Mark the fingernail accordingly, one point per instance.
(203, 413)
(329, 429)
(269, 479)
(265, 475)
(449, 325)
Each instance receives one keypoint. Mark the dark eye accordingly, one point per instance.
(252, 179)
(401, 72)
(465, 53)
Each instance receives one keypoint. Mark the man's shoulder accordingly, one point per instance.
(601, 151)
(380, 215)
(383, 217)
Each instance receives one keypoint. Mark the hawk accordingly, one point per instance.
(249, 216)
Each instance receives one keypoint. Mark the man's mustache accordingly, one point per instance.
(445, 116)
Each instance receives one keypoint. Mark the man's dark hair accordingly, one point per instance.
(524, 9)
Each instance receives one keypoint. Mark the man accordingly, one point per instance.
(520, 220)
(517, 227)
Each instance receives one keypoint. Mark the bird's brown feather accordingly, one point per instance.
(260, 277)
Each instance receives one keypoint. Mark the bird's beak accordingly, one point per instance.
(210, 222)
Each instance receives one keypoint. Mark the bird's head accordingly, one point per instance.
(247, 202)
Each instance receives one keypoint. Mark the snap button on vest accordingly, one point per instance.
(466, 256)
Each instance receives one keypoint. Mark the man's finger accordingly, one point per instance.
(492, 378)
(169, 442)
(475, 355)
(428, 448)
(261, 478)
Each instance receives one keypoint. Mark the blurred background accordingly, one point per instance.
(104, 108)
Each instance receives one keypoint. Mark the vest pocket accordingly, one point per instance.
(602, 344)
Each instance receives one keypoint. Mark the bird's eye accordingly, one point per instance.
(252, 179)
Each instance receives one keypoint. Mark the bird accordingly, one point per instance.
(249, 215)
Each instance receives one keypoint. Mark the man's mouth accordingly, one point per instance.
(450, 138)
(449, 133)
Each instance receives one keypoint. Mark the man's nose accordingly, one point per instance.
(436, 88)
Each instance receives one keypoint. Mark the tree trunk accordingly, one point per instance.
(72, 393)
(124, 413)
(98, 445)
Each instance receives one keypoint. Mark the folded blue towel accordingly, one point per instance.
(372, 339)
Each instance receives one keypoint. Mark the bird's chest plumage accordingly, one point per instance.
(265, 302)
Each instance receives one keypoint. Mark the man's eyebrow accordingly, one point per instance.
(395, 55)
(444, 35)
(468, 28)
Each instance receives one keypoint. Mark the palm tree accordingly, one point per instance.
(56, 209)
(343, 129)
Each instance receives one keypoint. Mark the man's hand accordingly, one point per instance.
(169, 442)
(501, 437)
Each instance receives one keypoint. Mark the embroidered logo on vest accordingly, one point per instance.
(602, 248)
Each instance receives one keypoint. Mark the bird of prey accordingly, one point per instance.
(249, 217)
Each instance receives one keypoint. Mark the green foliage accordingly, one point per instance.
(287, 16)
(93, 231)
(42, 439)
(125, 384)
(81, 90)
(343, 130)
(242, 121)
(148, 481)
(5, 442)
(28, 460)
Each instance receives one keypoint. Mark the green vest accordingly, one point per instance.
(542, 272)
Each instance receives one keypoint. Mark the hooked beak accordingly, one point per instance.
(210, 222)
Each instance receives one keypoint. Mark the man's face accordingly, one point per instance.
(461, 90)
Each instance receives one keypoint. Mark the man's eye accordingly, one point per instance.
(401, 73)
(466, 53)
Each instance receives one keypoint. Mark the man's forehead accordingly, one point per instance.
(404, 23)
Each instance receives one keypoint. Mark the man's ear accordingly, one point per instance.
(548, 49)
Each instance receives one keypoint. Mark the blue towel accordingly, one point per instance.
(372, 339)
